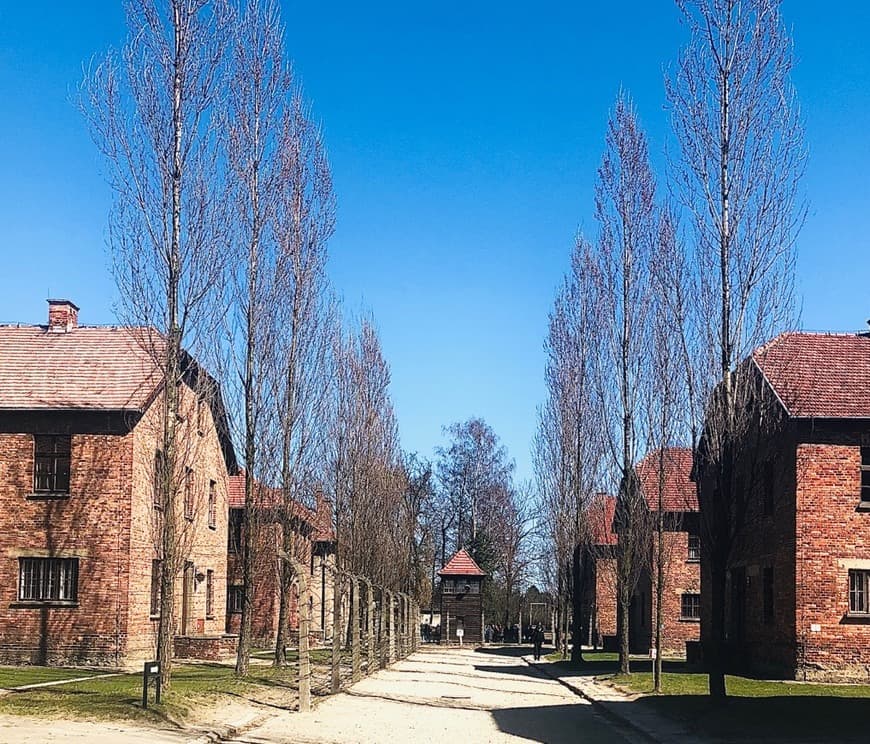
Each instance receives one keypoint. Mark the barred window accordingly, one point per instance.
(235, 599)
(859, 592)
(865, 476)
(48, 579)
(694, 553)
(51, 463)
(188, 493)
(690, 606)
(234, 530)
(209, 593)
(212, 504)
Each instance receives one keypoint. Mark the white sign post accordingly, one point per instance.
(459, 633)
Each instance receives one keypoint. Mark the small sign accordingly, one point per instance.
(151, 668)
(815, 628)
(460, 632)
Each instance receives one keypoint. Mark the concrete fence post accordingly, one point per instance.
(336, 633)
(391, 630)
(356, 673)
(370, 627)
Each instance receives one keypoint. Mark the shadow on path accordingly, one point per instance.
(557, 724)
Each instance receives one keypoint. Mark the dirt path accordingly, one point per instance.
(446, 695)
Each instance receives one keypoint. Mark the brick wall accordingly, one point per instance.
(833, 535)
(90, 524)
(681, 576)
(203, 546)
(605, 598)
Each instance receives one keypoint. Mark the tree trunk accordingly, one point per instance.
(577, 608)
(714, 650)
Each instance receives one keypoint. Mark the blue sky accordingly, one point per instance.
(464, 138)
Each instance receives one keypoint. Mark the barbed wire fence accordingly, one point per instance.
(372, 627)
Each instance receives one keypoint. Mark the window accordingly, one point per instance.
(188, 493)
(859, 592)
(690, 607)
(235, 599)
(769, 486)
(156, 568)
(234, 530)
(48, 579)
(159, 469)
(51, 463)
(767, 595)
(447, 586)
(212, 504)
(865, 476)
(209, 593)
(694, 553)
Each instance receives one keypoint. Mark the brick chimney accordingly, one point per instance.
(63, 316)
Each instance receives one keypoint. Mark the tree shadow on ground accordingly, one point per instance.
(511, 651)
(557, 724)
(791, 718)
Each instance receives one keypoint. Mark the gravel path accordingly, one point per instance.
(446, 695)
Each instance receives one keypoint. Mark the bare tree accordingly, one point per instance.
(305, 317)
(151, 110)
(627, 216)
(569, 443)
(741, 156)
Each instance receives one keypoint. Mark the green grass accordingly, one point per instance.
(120, 697)
(31, 675)
(757, 710)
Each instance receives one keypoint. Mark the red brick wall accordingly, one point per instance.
(681, 576)
(832, 537)
(90, 524)
(605, 597)
(200, 544)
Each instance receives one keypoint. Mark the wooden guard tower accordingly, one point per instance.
(461, 600)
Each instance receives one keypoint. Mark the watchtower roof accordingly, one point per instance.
(461, 564)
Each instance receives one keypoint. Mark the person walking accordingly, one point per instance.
(537, 640)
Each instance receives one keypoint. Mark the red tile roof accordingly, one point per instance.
(818, 375)
(461, 564)
(600, 515)
(270, 498)
(88, 368)
(679, 493)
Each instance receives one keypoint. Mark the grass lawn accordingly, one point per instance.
(30, 675)
(120, 697)
(757, 710)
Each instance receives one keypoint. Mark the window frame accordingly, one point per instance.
(209, 594)
(235, 531)
(212, 504)
(864, 473)
(235, 599)
(41, 577)
(694, 606)
(693, 553)
(859, 589)
(189, 493)
(53, 458)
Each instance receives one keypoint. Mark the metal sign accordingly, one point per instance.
(151, 669)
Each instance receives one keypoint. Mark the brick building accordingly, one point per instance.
(80, 431)
(681, 600)
(461, 599)
(313, 542)
(599, 604)
(798, 582)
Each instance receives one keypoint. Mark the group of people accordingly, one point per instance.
(511, 634)
(501, 634)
